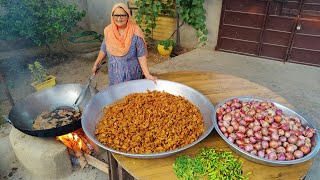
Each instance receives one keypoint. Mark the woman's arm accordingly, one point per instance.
(100, 57)
(144, 66)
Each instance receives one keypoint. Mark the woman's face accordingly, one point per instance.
(120, 17)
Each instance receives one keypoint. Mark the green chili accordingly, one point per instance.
(212, 163)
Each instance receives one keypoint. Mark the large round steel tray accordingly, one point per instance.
(93, 111)
(257, 159)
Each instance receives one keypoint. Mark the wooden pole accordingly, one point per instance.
(6, 90)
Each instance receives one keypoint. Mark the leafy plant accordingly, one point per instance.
(42, 21)
(167, 43)
(38, 73)
(193, 13)
(149, 10)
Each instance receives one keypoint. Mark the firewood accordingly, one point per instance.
(97, 163)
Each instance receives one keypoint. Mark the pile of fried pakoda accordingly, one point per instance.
(150, 122)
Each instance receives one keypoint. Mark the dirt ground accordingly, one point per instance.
(68, 68)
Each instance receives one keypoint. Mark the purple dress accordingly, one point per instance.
(127, 67)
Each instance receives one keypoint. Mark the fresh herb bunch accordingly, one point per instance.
(213, 163)
(38, 72)
(167, 43)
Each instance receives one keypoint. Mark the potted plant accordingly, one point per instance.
(165, 47)
(42, 79)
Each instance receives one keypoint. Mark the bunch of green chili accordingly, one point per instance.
(213, 163)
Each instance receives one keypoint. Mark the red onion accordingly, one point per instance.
(289, 148)
(269, 119)
(305, 149)
(259, 116)
(256, 123)
(256, 128)
(278, 112)
(273, 144)
(236, 114)
(224, 106)
(223, 129)
(237, 105)
(251, 112)
(281, 157)
(227, 117)
(274, 125)
(298, 154)
(226, 134)
(231, 139)
(257, 146)
(235, 100)
(271, 112)
(280, 149)
(240, 135)
(309, 132)
(252, 139)
(246, 140)
(242, 123)
(283, 139)
(220, 123)
(285, 127)
(258, 135)
(254, 152)
(272, 156)
(229, 102)
(248, 119)
(264, 123)
(277, 118)
(248, 147)
(285, 144)
(266, 138)
(269, 150)
(275, 136)
(242, 129)
(249, 132)
(264, 144)
(233, 135)
(300, 142)
(287, 134)
(220, 117)
(265, 131)
(230, 129)
(261, 153)
(228, 109)
(289, 156)
(292, 139)
(226, 123)
(240, 142)
(236, 126)
(251, 125)
(281, 132)
(272, 130)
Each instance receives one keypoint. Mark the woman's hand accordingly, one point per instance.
(152, 78)
(94, 69)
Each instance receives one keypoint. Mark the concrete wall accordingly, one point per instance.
(188, 34)
(99, 13)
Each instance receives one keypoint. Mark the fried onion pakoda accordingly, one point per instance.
(151, 122)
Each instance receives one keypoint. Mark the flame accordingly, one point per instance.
(70, 140)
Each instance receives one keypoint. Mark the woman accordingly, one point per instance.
(125, 47)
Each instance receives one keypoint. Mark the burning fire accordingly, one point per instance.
(76, 141)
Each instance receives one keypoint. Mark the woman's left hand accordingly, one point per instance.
(152, 78)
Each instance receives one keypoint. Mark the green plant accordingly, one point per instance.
(149, 10)
(42, 21)
(167, 43)
(38, 73)
(193, 13)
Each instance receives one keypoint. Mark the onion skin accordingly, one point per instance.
(281, 157)
(272, 156)
(289, 156)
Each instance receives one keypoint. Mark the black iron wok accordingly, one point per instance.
(24, 112)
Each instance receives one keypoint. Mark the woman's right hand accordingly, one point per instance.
(94, 69)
